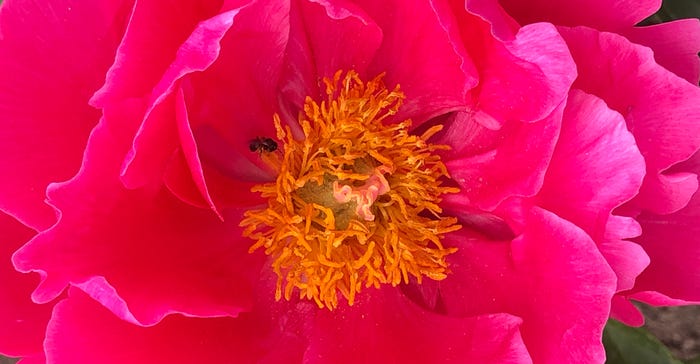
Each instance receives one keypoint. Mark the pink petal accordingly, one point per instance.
(673, 244)
(596, 165)
(188, 179)
(552, 276)
(159, 254)
(523, 79)
(659, 299)
(626, 258)
(82, 331)
(23, 322)
(155, 31)
(624, 311)
(510, 162)
(191, 155)
(218, 100)
(599, 14)
(384, 326)
(503, 26)
(595, 168)
(425, 56)
(675, 45)
(660, 108)
(224, 190)
(53, 56)
(157, 137)
(233, 100)
(310, 55)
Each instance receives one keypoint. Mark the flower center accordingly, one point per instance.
(355, 203)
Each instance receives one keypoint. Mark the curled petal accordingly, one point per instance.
(155, 31)
(596, 165)
(595, 168)
(206, 91)
(523, 79)
(660, 108)
(233, 99)
(503, 26)
(157, 137)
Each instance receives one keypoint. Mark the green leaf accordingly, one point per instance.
(631, 345)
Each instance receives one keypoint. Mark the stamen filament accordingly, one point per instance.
(356, 202)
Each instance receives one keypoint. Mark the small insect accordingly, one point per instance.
(262, 144)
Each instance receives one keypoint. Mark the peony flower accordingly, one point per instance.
(342, 182)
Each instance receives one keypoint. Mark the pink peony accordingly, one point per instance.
(330, 181)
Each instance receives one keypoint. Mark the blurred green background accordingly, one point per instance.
(675, 9)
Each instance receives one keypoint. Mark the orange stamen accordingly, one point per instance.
(356, 203)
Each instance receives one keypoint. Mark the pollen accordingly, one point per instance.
(356, 200)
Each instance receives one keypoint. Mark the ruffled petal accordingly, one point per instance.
(233, 100)
(596, 165)
(552, 276)
(660, 108)
(595, 168)
(523, 79)
(599, 14)
(158, 137)
(23, 322)
(53, 56)
(673, 244)
(155, 31)
(82, 331)
(503, 26)
(206, 119)
(159, 254)
(501, 146)
(384, 326)
(676, 45)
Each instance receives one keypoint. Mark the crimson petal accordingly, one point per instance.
(23, 322)
(159, 254)
(384, 326)
(552, 276)
(82, 331)
(53, 56)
